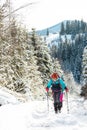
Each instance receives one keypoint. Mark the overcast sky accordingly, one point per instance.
(46, 13)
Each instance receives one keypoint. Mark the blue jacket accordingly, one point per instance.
(58, 81)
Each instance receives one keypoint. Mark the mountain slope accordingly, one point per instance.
(53, 29)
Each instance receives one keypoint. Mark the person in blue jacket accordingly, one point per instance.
(57, 86)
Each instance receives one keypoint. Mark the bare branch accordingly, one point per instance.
(23, 6)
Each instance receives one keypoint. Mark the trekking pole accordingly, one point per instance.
(67, 103)
(48, 101)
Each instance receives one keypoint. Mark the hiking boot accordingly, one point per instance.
(55, 107)
(59, 111)
(56, 111)
(59, 106)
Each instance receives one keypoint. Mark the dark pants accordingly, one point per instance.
(57, 102)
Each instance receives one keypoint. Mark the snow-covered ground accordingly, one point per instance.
(34, 115)
(54, 39)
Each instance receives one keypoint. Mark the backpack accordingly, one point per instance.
(56, 86)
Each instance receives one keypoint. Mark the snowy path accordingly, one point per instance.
(34, 116)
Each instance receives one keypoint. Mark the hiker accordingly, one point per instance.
(57, 86)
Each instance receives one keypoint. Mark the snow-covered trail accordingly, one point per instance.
(34, 115)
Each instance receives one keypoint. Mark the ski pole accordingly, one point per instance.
(67, 103)
(48, 101)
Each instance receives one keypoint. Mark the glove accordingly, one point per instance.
(67, 90)
(47, 89)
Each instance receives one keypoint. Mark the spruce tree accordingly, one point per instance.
(62, 29)
(42, 54)
(84, 74)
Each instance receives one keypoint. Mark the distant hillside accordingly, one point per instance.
(53, 29)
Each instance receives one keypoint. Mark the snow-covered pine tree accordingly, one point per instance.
(18, 66)
(84, 74)
(1, 21)
(42, 54)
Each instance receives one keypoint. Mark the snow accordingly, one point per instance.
(34, 115)
(54, 39)
(6, 98)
